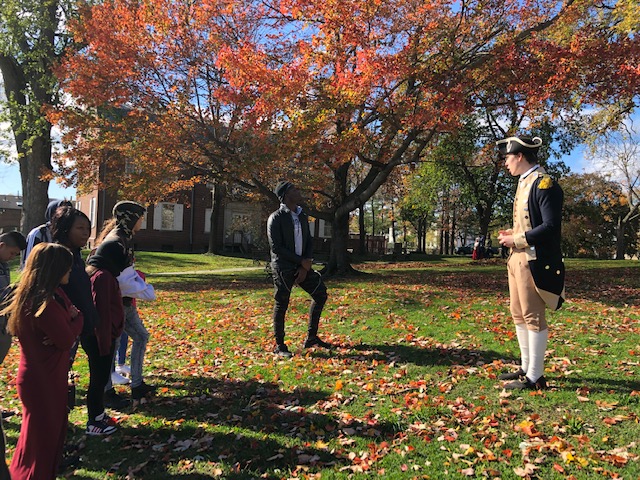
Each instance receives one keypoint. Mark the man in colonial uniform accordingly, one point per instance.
(535, 266)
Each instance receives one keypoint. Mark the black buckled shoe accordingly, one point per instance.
(526, 384)
(316, 342)
(513, 375)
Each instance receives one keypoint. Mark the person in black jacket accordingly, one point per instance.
(535, 265)
(291, 247)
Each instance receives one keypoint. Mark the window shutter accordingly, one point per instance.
(157, 217)
(178, 214)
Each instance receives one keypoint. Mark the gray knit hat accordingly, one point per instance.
(281, 189)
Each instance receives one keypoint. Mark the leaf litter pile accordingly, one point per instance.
(410, 391)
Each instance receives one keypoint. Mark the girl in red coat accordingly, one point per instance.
(47, 325)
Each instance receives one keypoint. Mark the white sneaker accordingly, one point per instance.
(118, 379)
(123, 369)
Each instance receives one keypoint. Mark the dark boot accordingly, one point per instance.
(115, 401)
(142, 390)
(316, 342)
(526, 384)
(282, 351)
(513, 375)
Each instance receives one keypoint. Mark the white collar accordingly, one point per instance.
(287, 209)
(530, 171)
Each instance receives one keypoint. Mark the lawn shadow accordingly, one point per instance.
(416, 355)
(617, 287)
(260, 407)
(193, 451)
(598, 384)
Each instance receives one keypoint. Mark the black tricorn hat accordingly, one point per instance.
(526, 145)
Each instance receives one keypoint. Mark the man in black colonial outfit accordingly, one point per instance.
(535, 265)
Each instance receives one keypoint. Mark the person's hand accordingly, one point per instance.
(300, 275)
(73, 311)
(505, 237)
(307, 263)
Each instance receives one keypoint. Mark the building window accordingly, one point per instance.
(168, 216)
(326, 233)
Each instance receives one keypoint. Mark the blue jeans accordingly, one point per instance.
(121, 352)
(139, 338)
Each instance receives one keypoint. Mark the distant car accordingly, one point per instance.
(468, 250)
(464, 249)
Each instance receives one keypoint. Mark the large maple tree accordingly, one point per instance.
(32, 41)
(309, 90)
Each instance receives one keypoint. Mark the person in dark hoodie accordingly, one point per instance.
(127, 220)
(103, 268)
(42, 233)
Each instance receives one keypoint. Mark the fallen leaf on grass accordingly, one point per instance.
(527, 470)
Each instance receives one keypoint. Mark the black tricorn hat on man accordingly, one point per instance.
(526, 145)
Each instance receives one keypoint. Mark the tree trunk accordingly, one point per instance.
(34, 153)
(620, 240)
(339, 257)
(34, 162)
(216, 243)
(454, 226)
(363, 231)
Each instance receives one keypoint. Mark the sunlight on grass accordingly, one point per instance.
(411, 390)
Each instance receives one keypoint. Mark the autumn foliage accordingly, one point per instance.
(307, 89)
(347, 79)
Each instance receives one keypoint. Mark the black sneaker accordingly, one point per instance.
(526, 384)
(316, 342)
(99, 427)
(115, 401)
(513, 375)
(283, 351)
(142, 390)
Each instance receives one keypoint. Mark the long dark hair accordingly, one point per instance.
(62, 221)
(46, 265)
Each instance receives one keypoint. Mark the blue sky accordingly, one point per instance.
(10, 184)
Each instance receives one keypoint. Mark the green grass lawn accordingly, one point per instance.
(411, 392)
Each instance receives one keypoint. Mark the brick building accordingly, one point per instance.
(184, 223)
(11, 212)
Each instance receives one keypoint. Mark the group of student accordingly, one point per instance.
(61, 302)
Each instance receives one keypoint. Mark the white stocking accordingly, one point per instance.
(537, 348)
(523, 341)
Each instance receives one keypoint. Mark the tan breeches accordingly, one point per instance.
(526, 304)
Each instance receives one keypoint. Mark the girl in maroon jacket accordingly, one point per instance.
(103, 268)
(47, 325)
